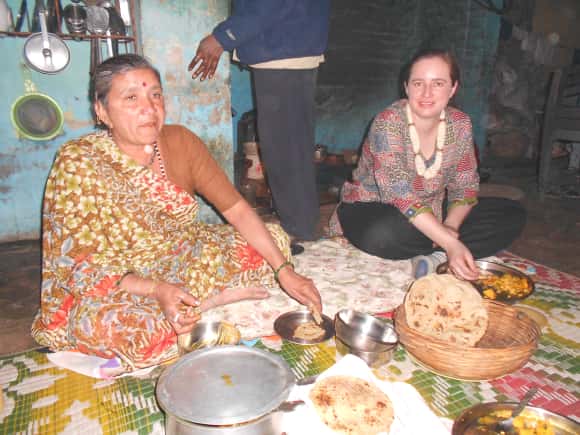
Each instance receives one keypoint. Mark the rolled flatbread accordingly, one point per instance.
(444, 307)
(308, 331)
(350, 405)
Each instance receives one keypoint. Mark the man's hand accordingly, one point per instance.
(206, 58)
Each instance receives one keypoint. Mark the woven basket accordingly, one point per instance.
(509, 341)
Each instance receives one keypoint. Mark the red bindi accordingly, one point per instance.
(144, 84)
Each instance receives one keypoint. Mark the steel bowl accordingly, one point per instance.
(363, 332)
(208, 334)
(467, 423)
(373, 359)
(286, 324)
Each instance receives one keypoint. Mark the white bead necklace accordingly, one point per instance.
(419, 160)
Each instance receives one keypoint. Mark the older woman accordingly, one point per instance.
(126, 267)
(414, 192)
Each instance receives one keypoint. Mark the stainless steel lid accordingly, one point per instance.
(49, 56)
(224, 385)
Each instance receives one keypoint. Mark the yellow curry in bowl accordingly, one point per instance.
(481, 419)
(499, 281)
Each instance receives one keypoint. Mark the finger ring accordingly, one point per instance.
(176, 317)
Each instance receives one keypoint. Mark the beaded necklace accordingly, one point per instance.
(430, 172)
(159, 159)
(153, 150)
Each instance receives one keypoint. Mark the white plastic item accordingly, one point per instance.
(6, 23)
(255, 170)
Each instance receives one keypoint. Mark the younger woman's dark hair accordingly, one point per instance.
(106, 71)
(427, 53)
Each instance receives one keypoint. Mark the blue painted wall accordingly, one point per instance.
(24, 164)
(204, 108)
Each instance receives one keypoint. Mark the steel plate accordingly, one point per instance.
(466, 423)
(224, 385)
(288, 322)
(497, 268)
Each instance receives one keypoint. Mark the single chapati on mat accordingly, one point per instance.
(350, 405)
(447, 308)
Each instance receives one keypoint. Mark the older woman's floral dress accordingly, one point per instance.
(105, 215)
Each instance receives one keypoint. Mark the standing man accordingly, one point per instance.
(283, 42)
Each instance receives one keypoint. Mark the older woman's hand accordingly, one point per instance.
(180, 308)
(300, 288)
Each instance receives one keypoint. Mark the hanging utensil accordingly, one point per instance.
(97, 24)
(75, 18)
(53, 13)
(116, 26)
(125, 12)
(22, 14)
(46, 52)
(6, 22)
(38, 6)
(36, 116)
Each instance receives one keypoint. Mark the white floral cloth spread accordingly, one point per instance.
(346, 278)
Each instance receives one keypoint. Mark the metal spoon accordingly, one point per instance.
(289, 405)
(507, 425)
(97, 24)
(116, 26)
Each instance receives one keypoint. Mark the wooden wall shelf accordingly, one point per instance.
(122, 38)
(126, 39)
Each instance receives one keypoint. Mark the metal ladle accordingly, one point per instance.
(507, 425)
(97, 24)
(116, 27)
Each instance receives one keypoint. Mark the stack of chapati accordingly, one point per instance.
(446, 308)
(350, 405)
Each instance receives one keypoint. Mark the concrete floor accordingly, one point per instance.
(551, 237)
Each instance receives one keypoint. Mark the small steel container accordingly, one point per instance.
(225, 390)
(366, 336)
(208, 334)
(373, 359)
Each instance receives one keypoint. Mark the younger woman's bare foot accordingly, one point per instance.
(231, 295)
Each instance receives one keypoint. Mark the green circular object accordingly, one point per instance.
(37, 117)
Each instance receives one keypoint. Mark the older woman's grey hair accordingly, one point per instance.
(106, 71)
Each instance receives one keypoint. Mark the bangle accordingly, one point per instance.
(282, 266)
(121, 278)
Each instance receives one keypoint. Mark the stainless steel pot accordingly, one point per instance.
(225, 390)
(269, 424)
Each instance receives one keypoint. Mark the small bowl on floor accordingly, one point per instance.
(373, 359)
(363, 331)
(208, 334)
(366, 336)
(286, 325)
